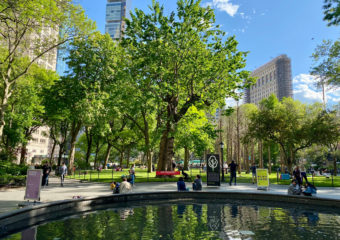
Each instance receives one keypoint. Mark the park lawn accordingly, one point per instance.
(143, 176)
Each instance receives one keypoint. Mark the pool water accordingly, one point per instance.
(191, 221)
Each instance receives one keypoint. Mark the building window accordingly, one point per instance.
(41, 151)
(42, 140)
(35, 140)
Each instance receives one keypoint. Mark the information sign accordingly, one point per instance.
(213, 170)
(262, 178)
(33, 184)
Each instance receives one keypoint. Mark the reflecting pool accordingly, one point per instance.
(192, 221)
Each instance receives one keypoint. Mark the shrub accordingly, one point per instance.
(12, 169)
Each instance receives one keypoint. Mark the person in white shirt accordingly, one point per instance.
(63, 172)
(125, 186)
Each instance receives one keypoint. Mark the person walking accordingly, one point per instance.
(63, 173)
(303, 174)
(253, 172)
(297, 175)
(46, 172)
(232, 167)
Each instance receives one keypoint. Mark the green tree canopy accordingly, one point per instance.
(293, 125)
(332, 12)
(326, 63)
(31, 28)
(186, 60)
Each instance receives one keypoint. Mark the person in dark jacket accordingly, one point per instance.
(232, 167)
(46, 172)
(297, 175)
(197, 184)
(181, 185)
(253, 172)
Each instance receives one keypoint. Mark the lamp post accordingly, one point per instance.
(222, 169)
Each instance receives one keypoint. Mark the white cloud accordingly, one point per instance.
(230, 102)
(305, 78)
(305, 90)
(224, 5)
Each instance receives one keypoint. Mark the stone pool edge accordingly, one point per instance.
(16, 220)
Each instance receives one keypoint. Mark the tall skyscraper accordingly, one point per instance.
(116, 11)
(274, 77)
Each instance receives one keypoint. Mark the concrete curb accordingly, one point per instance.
(17, 220)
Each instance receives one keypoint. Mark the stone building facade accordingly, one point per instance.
(274, 77)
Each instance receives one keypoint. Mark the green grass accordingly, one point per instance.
(143, 176)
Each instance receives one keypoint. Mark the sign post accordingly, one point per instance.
(262, 178)
(33, 184)
(213, 170)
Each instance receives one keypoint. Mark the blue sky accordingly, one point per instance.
(265, 28)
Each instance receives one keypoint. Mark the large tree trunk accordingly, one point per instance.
(238, 139)
(52, 152)
(282, 159)
(107, 154)
(186, 158)
(121, 159)
(4, 101)
(260, 153)
(23, 153)
(165, 152)
(96, 164)
(61, 152)
(269, 161)
(147, 143)
(290, 161)
(149, 160)
(230, 140)
(74, 133)
(89, 139)
(246, 158)
(128, 157)
(64, 126)
(252, 153)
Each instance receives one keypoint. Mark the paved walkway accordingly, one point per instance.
(10, 198)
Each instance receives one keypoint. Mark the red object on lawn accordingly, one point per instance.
(167, 173)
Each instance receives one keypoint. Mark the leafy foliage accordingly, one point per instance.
(332, 12)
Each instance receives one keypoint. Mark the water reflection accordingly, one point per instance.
(193, 221)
